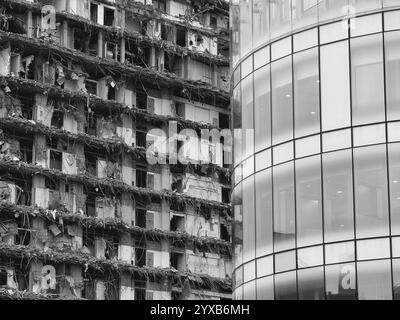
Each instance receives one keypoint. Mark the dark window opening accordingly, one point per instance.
(181, 37)
(82, 40)
(112, 244)
(213, 21)
(177, 261)
(141, 100)
(111, 92)
(94, 14)
(3, 278)
(177, 223)
(109, 17)
(140, 257)
(224, 233)
(223, 121)
(140, 218)
(180, 109)
(226, 195)
(141, 139)
(57, 120)
(141, 178)
(164, 32)
(55, 160)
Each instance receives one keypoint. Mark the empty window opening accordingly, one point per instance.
(177, 261)
(177, 223)
(141, 139)
(226, 195)
(3, 278)
(224, 233)
(223, 121)
(180, 109)
(141, 100)
(57, 120)
(55, 160)
(213, 21)
(181, 37)
(109, 17)
(94, 12)
(140, 217)
(140, 257)
(111, 93)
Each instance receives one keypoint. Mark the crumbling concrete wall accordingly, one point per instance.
(202, 187)
(199, 226)
(206, 263)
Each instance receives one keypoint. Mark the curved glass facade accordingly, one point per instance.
(316, 92)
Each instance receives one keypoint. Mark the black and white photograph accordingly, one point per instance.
(196, 157)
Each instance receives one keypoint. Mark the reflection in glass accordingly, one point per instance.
(367, 79)
(306, 92)
(248, 220)
(311, 284)
(285, 286)
(335, 103)
(247, 117)
(246, 26)
(260, 22)
(338, 196)
(394, 178)
(280, 13)
(263, 213)
(339, 252)
(371, 200)
(262, 108)
(310, 257)
(249, 291)
(237, 125)
(392, 52)
(282, 106)
(285, 261)
(329, 9)
(284, 216)
(340, 282)
(304, 13)
(308, 201)
(265, 288)
(374, 280)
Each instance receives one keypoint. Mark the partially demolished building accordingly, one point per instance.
(82, 213)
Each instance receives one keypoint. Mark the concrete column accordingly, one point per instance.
(100, 45)
(122, 59)
(152, 58)
(29, 24)
(65, 34)
(165, 216)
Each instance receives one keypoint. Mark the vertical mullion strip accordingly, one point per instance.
(387, 152)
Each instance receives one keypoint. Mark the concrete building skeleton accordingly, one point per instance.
(82, 213)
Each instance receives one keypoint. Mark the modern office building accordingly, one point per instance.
(316, 194)
(83, 214)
